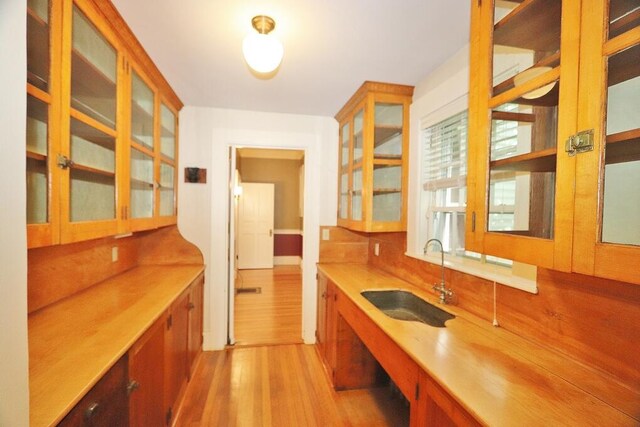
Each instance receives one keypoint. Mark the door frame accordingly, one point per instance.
(231, 243)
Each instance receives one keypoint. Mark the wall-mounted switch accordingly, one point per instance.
(376, 249)
(114, 254)
(325, 234)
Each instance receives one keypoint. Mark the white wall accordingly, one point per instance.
(205, 137)
(14, 381)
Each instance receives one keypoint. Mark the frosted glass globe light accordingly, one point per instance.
(263, 52)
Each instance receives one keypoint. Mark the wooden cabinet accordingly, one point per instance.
(554, 148)
(196, 311)
(372, 172)
(146, 378)
(435, 407)
(326, 330)
(105, 404)
(176, 354)
(101, 127)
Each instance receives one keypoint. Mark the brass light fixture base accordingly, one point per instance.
(263, 24)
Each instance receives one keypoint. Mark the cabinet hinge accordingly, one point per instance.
(417, 391)
(581, 142)
(169, 416)
(473, 221)
(169, 321)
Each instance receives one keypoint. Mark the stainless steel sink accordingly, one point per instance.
(403, 305)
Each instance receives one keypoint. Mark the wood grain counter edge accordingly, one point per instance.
(74, 342)
(351, 279)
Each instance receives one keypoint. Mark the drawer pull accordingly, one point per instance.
(91, 410)
(132, 386)
(191, 306)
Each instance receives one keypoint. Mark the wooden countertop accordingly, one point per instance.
(498, 377)
(69, 352)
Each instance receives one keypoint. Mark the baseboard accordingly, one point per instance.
(287, 260)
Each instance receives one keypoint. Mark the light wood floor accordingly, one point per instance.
(282, 385)
(273, 316)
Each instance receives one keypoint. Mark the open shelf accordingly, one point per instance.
(552, 61)
(534, 25)
(538, 161)
(623, 147)
(624, 65)
(37, 51)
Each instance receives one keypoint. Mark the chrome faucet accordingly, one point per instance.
(442, 288)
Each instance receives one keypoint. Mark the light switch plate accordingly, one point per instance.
(114, 254)
(376, 249)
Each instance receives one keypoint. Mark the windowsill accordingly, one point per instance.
(491, 272)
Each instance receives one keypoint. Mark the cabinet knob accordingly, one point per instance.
(132, 386)
(64, 162)
(191, 306)
(91, 410)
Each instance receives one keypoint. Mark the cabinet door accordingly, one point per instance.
(607, 239)
(146, 378)
(321, 316)
(168, 179)
(435, 407)
(105, 404)
(344, 194)
(176, 353)
(43, 86)
(524, 110)
(91, 153)
(196, 306)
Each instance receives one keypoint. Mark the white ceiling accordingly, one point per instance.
(331, 47)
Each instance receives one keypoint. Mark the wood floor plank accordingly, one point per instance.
(281, 385)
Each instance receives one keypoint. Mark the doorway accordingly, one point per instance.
(265, 299)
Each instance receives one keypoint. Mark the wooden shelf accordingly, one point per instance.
(624, 65)
(141, 185)
(514, 117)
(383, 133)
(539, 161)
(386, 190)
(387, 157)
(552, 61)
(36, 156)
(37, 51)
(139, 117)
(89, 169)
(623, 147)
(534, 25)
(624, 23)
(88, 81)
(91, 134)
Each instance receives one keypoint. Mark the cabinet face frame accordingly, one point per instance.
(551, 253)
(591, 255)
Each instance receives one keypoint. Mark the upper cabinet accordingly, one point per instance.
(96, 116)
(372, 172)
(554, 134)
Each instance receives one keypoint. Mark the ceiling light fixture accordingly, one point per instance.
(263, 52)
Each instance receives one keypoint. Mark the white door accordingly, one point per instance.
(255, 226)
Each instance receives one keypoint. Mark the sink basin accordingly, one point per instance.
(403, 305)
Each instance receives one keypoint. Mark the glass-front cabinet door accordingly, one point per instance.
(168, 163)
(523, 111)
(609, 242)
(89, 202)
(344, 198)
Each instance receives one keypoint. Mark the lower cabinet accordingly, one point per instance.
(106, 404)
(144, 388)
(435, 407)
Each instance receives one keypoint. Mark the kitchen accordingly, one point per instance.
(584, 303)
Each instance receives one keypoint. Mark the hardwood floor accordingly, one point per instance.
(282, 385)
(273, 316)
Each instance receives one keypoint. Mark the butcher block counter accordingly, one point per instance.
(75, 341)
(498, 377)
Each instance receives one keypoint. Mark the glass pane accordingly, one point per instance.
(621, 208)
(356, 199)
(358, 138)
(522, 168)
(525, 35)
(93, 175)
(624, 15)
(344, 138)
(387, 138)
(38, 43)
(37, 171)
(141, 112)
(93, 72)
(166, 190)
(344, 195)
(141, 185)
(448, 227)
(168, 132)
(387, 192)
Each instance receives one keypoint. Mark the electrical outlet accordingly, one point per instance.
(325, 234)
(114, 254)
(376, 249)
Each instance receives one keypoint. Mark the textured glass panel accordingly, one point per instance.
(387, 137)
(168, 131)
(621, 207)
(141, 185)
(344, 153)
(166, 190)
(93, 72)
(38, 43)
(356, 199)
(37, 173)
(344, 195)
(358, 137)
(387, 192)
(141, 112)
